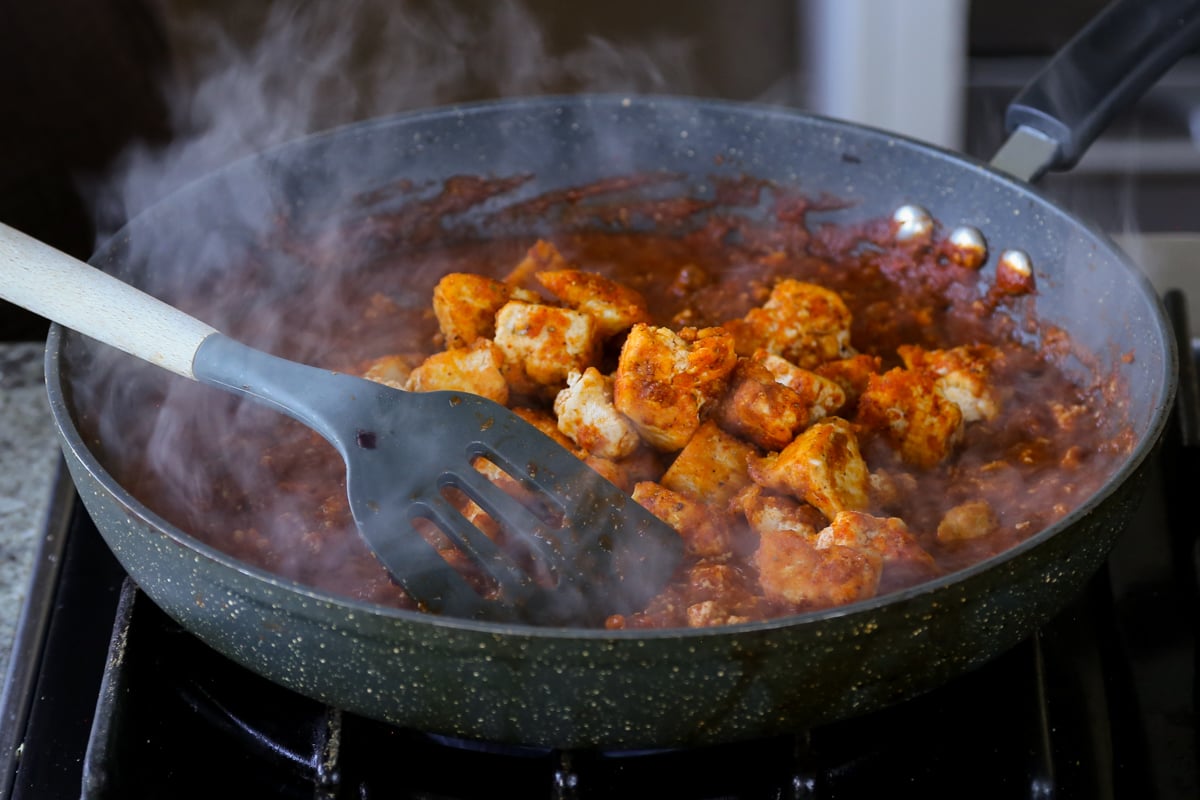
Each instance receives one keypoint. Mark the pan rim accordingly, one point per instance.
(1146, 444)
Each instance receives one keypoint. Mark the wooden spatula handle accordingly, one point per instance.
(65, 290)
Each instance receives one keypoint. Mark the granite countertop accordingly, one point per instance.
(29, 461)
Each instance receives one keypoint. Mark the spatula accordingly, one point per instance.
(581, 550)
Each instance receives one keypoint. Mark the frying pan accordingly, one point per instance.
(634, 688)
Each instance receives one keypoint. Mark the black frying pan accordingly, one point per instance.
(579, 688)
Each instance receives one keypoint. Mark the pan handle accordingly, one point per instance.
(1105, 67)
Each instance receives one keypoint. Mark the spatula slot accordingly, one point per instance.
(460, 542)
(512, 483)
(460, 560)
(513, 540)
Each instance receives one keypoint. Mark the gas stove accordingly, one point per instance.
(109, 698)
(116, 701)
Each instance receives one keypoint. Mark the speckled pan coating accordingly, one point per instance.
(571, 688)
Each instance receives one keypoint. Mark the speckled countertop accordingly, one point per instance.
(29, 458)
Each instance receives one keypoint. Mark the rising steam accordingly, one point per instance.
(253, 79)
(240, 86)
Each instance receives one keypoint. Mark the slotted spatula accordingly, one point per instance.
(583, 550)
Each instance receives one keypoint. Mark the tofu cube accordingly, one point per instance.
(664, 379)
(905, 562)
(802, 322)
(704, 535)
(822, 466)
(475, 369)
(966, 521)
(822, 397)
(615, 307)
(711, 468)
(392, 370)
(962, 376)
(760, 409)
(465, 306)
(852, 374)
(791, 569)
(905, 406)
(543, 344)
(586, 414)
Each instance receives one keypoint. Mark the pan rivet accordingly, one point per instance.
(912, 222)
(1014, 273)
(968, 248)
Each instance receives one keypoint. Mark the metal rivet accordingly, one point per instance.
(968, 248)
(912, 222)
(1014, 272)
(1017, 261)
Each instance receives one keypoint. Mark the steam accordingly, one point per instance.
(313, 66)
(262, 78)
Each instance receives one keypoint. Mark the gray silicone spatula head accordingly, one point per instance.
(565, 545)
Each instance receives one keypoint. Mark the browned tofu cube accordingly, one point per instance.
(710, 359)
(465, 306)
(615, 307)
(542, 256)
(586, 414)
(664, 379)
(716, 594)
(852, 374)
(822, 397)
(963, 376)
(705, 535)
(775, 512)
(760, 409)
(392, 370)
(805, 323)
(822, 466)
(711, 468)
(905, 562)
(474, 369)
(708, 613)
(793, 570)
(965, 521)
(905, 406)
(543, 344)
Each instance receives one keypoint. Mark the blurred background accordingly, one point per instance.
(107, 104)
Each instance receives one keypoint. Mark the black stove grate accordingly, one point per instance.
(1056, 716)
(176, 719)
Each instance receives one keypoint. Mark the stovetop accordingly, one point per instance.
(1099, 703)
